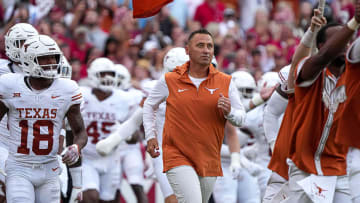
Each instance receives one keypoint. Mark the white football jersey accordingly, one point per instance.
(99, 116)
(136, 97)
(35, 117)
(6, 66)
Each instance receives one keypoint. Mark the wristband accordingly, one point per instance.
(63, 132)
(353, 24)
(235, 157)
(308, 38)
(257, 100)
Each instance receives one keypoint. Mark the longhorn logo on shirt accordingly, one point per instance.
(211, 90)
(16, 94)
(320, 190)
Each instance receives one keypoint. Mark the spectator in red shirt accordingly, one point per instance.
(79, 46)
(209, 11)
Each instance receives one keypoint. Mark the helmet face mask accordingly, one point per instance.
(107, 80)
(41, 57)
(120, 81)
(15, 38)
(245, 83)
(47, 70)
(102, 74)
(247, 93)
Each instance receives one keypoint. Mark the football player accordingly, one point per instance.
(14, 38)
(283, 98)
(36, 104)
(104, 105)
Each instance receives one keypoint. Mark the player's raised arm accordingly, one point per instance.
(330, 49)
(306, 44)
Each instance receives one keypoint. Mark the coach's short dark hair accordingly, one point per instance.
(321, 36)
(200, 31)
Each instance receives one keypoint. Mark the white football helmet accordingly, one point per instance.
(269, 78)
(96, 70)
(175, 57)
(245, 83)
(65, 68)
(33, 49)
(123, 77)
(14, 38)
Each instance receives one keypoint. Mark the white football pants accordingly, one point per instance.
(354, 173)
(188, 186)
(274, 186)
(37, 183)
(297, 194)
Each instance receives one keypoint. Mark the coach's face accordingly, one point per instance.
(200, 49)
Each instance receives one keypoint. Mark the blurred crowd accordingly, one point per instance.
(253, 35)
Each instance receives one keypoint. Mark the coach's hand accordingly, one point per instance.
(224, 104)
(153, 147)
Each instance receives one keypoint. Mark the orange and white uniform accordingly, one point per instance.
(349, 120)
(313, 148)
(194, 125)
(312, 144)
(348, 116)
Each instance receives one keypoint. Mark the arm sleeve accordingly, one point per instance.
(77, 97)
(157, 95)
(237, 112)
(274, 109)
(73, 91)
